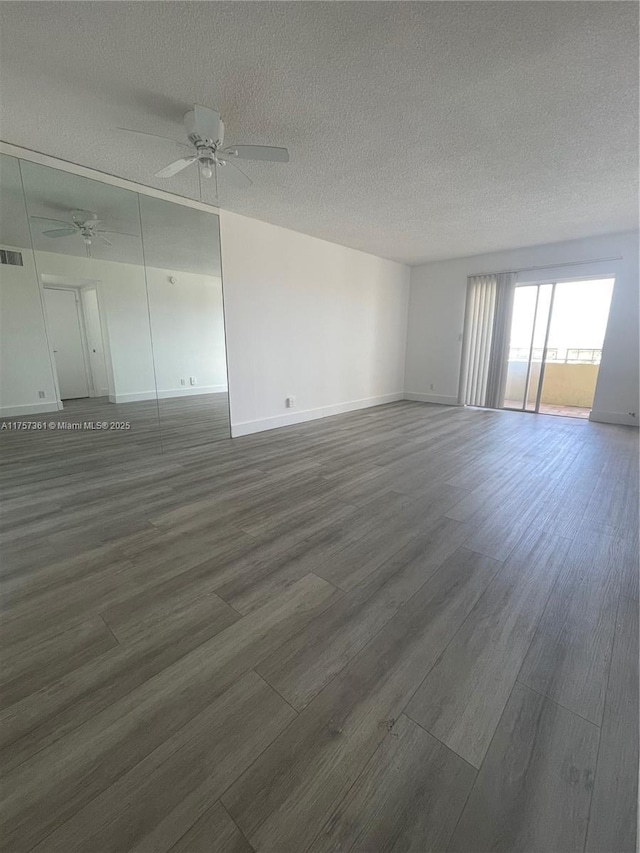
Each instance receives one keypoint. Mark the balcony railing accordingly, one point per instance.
(558, 356)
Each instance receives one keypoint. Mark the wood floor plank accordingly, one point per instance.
(245, 571)
(169, 609)
(480, 503)
(513, 488)
(16, 560)
(133, 507)
(497, 537)
(614, 807)
(244, 500)
(279, 557)
(214, 832)
(562, 511)
(157, 801)
(32, 664)
(391, 522)
(300, 668)
(533, 791)
(462, 698)
(630, 584)
(556, 504)
(68, 600)
(94, 755)
(289, 793)
(569, 657)
(616, 499)
(113, 578)
(408, 798)
(54, 575)
(44, 716)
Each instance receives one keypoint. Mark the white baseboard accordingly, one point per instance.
(30, 409)
(622, 418)
(169, 393)
(191, 390)
(431, 398)
(249, 427)
(132, 397)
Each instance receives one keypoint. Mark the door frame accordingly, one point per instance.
(554, 281)
(94, 391)
(83, 337)
(545, 347)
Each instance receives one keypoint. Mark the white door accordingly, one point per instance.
(63, 323)
(94, 341)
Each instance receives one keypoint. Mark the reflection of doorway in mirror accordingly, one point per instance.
(95, 341)
(75, 333)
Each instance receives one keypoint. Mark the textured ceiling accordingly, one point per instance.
(417, 131)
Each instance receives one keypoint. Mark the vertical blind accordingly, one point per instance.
(481, 299)
(485, 347)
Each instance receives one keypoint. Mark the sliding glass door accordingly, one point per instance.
(555, 343)
(574, 346)
(533, 347)
(530, 322)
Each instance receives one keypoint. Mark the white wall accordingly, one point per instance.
(309, 319)
(25, 366)
(187, 324)
(436, 318)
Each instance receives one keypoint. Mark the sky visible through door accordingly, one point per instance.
(574, 346)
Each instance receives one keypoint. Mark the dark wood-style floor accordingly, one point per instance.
(410, 628)
(166, 425)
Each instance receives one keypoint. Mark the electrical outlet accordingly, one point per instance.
(290, 402)
(41, 394)
(193, 380)
(431, 386)
(183, 381)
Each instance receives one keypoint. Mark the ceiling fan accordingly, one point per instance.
(83, 222)
(205, 132)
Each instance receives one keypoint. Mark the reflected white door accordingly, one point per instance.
(94, 341)
(63, 322)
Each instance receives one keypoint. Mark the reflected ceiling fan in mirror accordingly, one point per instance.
(82, 222)
(205, 132)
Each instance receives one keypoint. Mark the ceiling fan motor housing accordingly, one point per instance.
(84, 217)
(195, 133)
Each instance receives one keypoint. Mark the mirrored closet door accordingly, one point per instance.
(184, 286)
(112, 315)
(88, 253)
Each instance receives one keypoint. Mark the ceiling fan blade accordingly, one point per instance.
(48, 219)
(234, 176)
(60, 232)
(104, 240)
(121, 233)
(153, 135)
(258, 152)
(173, 168)
(207, 122)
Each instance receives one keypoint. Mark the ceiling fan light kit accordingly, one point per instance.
(205, 135)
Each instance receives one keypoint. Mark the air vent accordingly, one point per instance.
(12, 258)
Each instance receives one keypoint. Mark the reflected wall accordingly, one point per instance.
(184, 286)
(110, 309)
